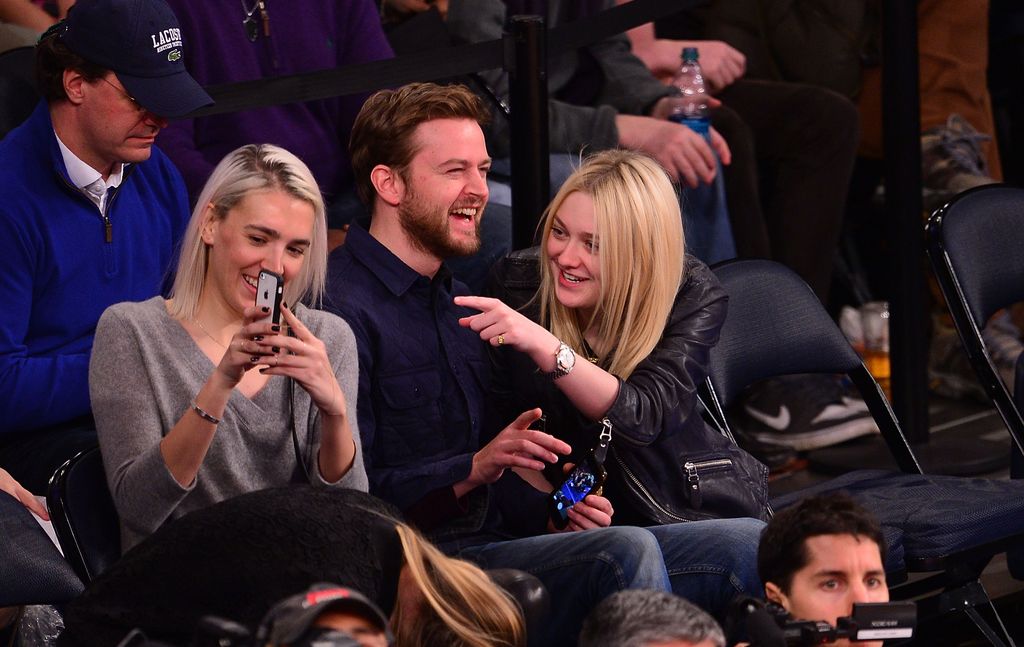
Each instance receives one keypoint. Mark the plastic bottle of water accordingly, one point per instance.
(690, 108)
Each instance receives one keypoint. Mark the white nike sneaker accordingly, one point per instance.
(804, 412)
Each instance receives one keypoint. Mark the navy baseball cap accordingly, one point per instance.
(141, 42)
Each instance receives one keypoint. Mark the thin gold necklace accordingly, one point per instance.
(212, 338)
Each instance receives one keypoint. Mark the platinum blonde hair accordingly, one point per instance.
(251, 169)
(639, 232)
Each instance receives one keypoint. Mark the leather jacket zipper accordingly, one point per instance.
(643, 490)
(693, 477)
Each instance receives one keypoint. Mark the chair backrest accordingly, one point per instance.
(975, 246)
(18, 93)
(530, 594)
(777, 326)
(83, 515)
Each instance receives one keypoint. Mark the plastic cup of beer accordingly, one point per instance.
(875, 324)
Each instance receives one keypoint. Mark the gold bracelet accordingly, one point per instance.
(202, 414)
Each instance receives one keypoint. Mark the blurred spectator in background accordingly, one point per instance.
(233, 41)
(601, 96)
(22, 21)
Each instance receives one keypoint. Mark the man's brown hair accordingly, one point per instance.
(383, 131)
(52, 58)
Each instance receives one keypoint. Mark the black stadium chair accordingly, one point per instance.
(18, 94)
(948, 526)
(83, 515)
(975, 245)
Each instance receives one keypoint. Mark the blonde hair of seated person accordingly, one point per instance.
(458, 604)
(638, 227)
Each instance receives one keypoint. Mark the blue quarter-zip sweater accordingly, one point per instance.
(59, 268)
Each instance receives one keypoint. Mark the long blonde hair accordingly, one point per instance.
(639, 230)
(460, 606)
(245, 170)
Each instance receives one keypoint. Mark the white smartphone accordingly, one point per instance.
(269, 290)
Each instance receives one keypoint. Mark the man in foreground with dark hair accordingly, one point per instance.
(90, 215)
(649, 619)
(820, 556)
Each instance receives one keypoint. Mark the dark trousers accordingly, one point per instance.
(33, 456)
(793, 150)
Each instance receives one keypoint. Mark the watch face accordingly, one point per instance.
(566, 358)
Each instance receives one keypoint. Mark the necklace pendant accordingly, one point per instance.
(252, 29)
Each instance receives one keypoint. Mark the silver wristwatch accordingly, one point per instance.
(565, 360)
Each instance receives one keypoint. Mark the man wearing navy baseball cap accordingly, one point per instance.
(90, 215)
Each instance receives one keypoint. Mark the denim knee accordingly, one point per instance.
(636, 555)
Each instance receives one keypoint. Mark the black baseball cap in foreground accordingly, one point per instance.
(140, 41)
(292, 617)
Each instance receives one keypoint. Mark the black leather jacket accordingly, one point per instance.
(656, 420)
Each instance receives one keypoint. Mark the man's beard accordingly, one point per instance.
(429, 231)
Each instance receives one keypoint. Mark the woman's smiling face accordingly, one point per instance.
(573, 248)
(265, 230)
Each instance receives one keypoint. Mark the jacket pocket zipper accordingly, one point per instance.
(643, 490)
(693, 477)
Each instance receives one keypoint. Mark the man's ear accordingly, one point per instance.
(74, 84)
(773, 593)
(388, 184)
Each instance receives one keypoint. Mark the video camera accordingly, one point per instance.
(769, 625)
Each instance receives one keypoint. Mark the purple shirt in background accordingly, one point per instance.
(305, 36)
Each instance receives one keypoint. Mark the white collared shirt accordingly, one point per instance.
(89, 179)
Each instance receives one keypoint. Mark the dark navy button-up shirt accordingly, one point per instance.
(423, 380)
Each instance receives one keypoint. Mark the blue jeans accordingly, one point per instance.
(707, 562)
(579, 570)
(711, 562)
(706, 221)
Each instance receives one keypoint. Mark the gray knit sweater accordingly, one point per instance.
(145, 371)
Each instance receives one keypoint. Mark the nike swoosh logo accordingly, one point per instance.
(778, 422)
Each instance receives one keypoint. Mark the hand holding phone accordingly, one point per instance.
(585, 478)
(269, 291)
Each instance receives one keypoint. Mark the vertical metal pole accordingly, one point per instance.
(528, 90)
(901, 123)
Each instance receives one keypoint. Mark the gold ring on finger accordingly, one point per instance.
(501, 339)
